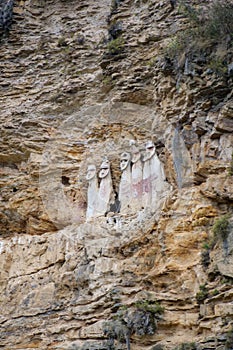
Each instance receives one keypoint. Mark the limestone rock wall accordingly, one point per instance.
(70, 95)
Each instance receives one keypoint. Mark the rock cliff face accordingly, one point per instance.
(79, 80)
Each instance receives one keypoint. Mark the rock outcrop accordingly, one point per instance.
(79, 81)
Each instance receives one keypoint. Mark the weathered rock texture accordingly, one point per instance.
(68, 98)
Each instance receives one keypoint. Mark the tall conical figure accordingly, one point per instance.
(125, 193)
(137, 169)
(105, 194)
(92, 192)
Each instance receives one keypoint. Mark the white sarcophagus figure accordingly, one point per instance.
(125, 193)
(92, 192)
(136, 201)
(105, 193)
(154, 183)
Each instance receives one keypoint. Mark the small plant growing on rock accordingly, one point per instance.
(227, 280)
(218, 66)
(221, 227)
(220, 20)
(214, 292)
(206, 246)
(216, 24)
(107, 80)
(209, 29)
(145, 316)
(140, 319)
(176, 45)
(151, 62)
(202, 294)
(116, 46)
(150, 306)
(221, 230)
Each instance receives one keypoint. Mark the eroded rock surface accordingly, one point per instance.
(70, 95)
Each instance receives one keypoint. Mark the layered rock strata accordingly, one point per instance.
(71, 95)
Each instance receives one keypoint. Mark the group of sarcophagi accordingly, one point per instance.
(142, 183)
